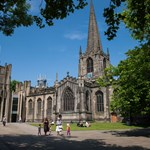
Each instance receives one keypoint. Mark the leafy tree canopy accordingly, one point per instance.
(13, 85)
(131, 83)
(135, 15)
(16, 13)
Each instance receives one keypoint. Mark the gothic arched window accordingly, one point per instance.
(89, 65)
(49, 106)
(39, 106)
(104, 63)
(87, 99)
(68, 100)
(30, 107)
(100, 101)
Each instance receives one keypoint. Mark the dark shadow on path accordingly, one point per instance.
(145, 132)
(31, 142)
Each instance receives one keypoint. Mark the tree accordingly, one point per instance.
(131, 95)
(135, 15)
(16, 13)
(13, 85)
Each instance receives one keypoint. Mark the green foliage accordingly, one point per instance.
(131, 95)
(58, 9)
(15, 13)
(135, 14)
(109, 78)
(13, 85)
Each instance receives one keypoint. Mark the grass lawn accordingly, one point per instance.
(95, 126)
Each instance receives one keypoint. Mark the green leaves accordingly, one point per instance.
(131, 83)
(134, 79)
(135, 15)
(15, 13)
(58, 9)
(13, 85)
(109, 78)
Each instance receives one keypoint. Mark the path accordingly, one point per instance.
(16, 136)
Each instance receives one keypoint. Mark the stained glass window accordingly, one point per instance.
(100, 101)
(68, 100)
(87, 101)
(39, 106)
(30, 106)
(49, 106)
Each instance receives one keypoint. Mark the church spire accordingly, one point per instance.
(94, 43)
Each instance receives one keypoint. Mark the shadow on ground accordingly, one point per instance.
(145, 132)
(31, 142)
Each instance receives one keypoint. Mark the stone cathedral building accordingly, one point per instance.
(73, 98)
(5, 94)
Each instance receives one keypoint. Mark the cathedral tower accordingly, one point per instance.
(93, 62)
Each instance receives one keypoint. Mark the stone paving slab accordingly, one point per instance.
(16, 136)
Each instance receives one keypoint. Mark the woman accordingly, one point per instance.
(59, 126)
(46, 126)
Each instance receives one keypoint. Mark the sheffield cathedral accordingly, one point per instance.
(73, 98)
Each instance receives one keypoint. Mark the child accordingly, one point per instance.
(39, 129)
(68, 129)
(50, 129)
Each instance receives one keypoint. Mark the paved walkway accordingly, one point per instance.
(16, 136)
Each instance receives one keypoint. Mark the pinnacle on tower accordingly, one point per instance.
(56, 77)
(93, 43)
(80, 51)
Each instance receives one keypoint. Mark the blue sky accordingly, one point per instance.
(33, 51)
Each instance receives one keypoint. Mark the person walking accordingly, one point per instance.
(39, 129)
(46, 126)
(59, 126)
(68, 129)
(4, 121)
(50, 129)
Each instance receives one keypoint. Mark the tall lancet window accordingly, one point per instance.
(104, 63)
(39, 106)
(49, 107)
(68, 100)
(89, 65)
(30, 107)
(87, 101)
(100, 101)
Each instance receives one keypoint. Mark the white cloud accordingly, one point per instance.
(76, 36)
